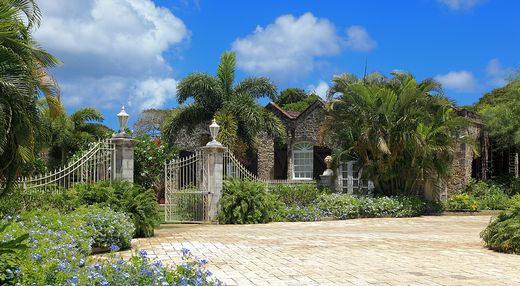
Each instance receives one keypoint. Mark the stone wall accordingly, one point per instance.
(265, 156)
(194, 140)
(308, 127)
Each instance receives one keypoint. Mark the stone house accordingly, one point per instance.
(300, 156)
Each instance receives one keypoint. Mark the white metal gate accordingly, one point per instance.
(186, 196)
(96, 164)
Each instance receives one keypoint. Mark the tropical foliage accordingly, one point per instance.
(295, 99)
(503, 233)
(72, 134)
(149, 158)
(140, 204)
(500, 111)
(245, 201)
(401, 131)
(233, 105)
(23, 76)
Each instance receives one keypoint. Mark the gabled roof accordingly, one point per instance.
(294, 115)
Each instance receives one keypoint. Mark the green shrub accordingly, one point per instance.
(503, 233)
(150, 156)
(343, 206)
(514, 200)
(339, 206)
(19, 201)
(245, 202)
(12, 251)
(111, 229)
(488, 197)
(296, 195)
(462, 202)
(434, 207)
(140, 204)
(514, 187)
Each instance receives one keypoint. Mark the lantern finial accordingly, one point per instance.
(213, 129)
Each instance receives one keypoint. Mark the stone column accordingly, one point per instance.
(124, 157)
(214, 176)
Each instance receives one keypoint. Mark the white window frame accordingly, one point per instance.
(303, 148)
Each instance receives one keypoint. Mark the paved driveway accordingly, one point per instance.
(443, 250)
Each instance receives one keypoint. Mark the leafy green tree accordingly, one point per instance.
(401, 131)
(234, 106)
(23, 76)
(500, 111)
(295, 99)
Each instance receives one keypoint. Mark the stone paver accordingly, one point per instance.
(443, 250)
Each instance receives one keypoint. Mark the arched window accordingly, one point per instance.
(302, 161)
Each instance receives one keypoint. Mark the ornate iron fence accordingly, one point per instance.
(234, 169)
(186, 196)
(95, 165)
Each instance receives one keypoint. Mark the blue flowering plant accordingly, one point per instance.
(141, 270)
(12, 249)
(111, 230)
(297, 213)
(57, 243)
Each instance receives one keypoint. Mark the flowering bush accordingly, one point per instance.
(488, 196)
(297, 213)
(464, 202)
(12, 249)
(343, 206)
(140, 270)
(111, 229)
(338, 205)
(140, 204)
(58, 245)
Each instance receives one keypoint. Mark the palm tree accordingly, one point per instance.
(70, 134)
(401, 132)
(23, 76)
(233, 105)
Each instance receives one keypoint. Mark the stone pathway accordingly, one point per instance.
(443, 250)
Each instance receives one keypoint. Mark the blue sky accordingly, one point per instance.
(134, 52)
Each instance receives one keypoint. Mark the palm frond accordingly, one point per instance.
(257, 87)
(226, 72)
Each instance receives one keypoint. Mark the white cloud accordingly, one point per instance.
(496, 73)
(358, 39)
(462, 81)
(153, 93)
(288, 48)
(320, 90)
(109, 47)
(459, 4)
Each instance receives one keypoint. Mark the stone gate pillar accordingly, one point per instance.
(214, 175)
(124, 158)
(123, 161)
